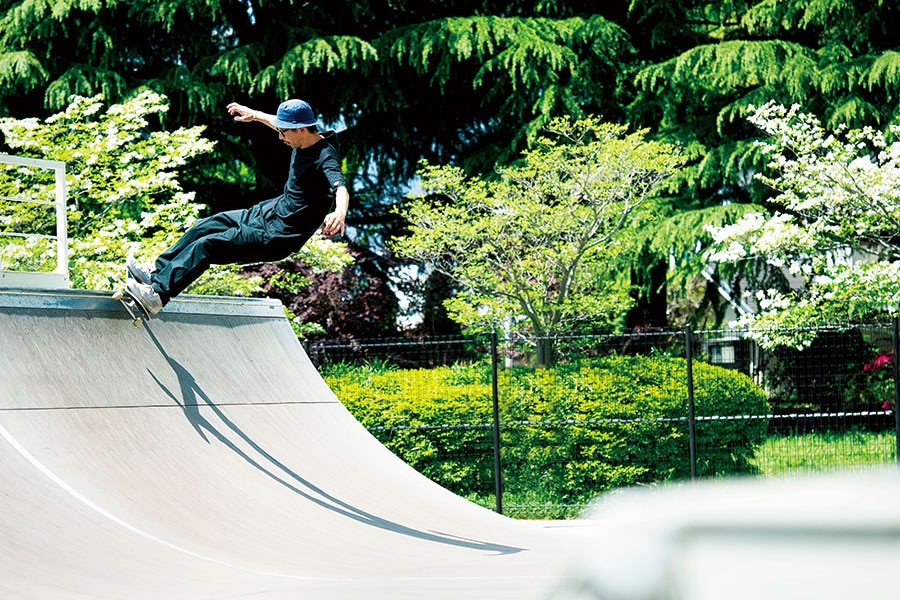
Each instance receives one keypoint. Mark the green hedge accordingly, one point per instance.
(570, 431)
(634, 430)
(393, 403)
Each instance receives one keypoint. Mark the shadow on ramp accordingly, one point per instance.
(190, 397)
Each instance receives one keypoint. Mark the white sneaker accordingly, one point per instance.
(145, 295)
(138, 272)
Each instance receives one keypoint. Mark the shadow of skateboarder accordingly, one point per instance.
(191, 397)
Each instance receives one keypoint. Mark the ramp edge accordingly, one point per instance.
(96, 300)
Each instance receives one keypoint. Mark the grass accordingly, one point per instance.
(812, 452)
(528, 505)
(779, 455)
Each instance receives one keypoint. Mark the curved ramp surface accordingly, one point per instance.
(201, 456)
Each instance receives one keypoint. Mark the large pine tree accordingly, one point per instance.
(463, 82)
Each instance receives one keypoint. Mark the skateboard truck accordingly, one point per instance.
(134, 309)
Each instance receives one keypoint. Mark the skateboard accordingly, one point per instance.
(135, 309)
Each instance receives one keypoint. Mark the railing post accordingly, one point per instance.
(896, 344)
(692, 434)
(62, 240)
(498, 475)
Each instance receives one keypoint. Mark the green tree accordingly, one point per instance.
(834, 228)
(538, 245)
(834, 57)
(472, 84)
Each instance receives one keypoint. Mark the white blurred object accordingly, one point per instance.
(827, 537)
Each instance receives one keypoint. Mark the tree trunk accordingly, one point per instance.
(650, 309)
(546, 352)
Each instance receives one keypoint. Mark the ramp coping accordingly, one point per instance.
(92, 300)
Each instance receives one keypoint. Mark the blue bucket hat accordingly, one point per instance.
(293, 114)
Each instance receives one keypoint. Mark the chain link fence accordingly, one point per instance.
(479, 417)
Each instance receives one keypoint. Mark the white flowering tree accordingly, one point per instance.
(124, 194)
(835, 230)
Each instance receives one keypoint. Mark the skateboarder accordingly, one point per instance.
(314, 196)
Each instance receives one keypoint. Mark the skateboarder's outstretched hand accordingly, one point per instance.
(245, 114)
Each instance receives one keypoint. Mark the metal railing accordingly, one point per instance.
(59, 276)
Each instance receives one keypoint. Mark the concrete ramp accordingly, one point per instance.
(203, 457)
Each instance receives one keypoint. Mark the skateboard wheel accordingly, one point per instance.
(118, 295)
(136, 322)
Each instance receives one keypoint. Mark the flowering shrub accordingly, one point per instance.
(881, 385)
(834, 227)
(124, 196)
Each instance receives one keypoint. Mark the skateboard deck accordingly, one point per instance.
(135, 309)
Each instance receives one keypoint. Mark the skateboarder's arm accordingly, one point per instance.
(336, 221)
(244, 114)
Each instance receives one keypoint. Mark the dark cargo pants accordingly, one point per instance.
(236, 236)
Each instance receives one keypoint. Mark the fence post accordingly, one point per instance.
(896, 344)
(692, 434)
(498, 481)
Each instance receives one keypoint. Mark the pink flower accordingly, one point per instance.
(879, 362)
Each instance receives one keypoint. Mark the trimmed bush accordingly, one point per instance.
(620, 421)
(437, 420)
(569, 432)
